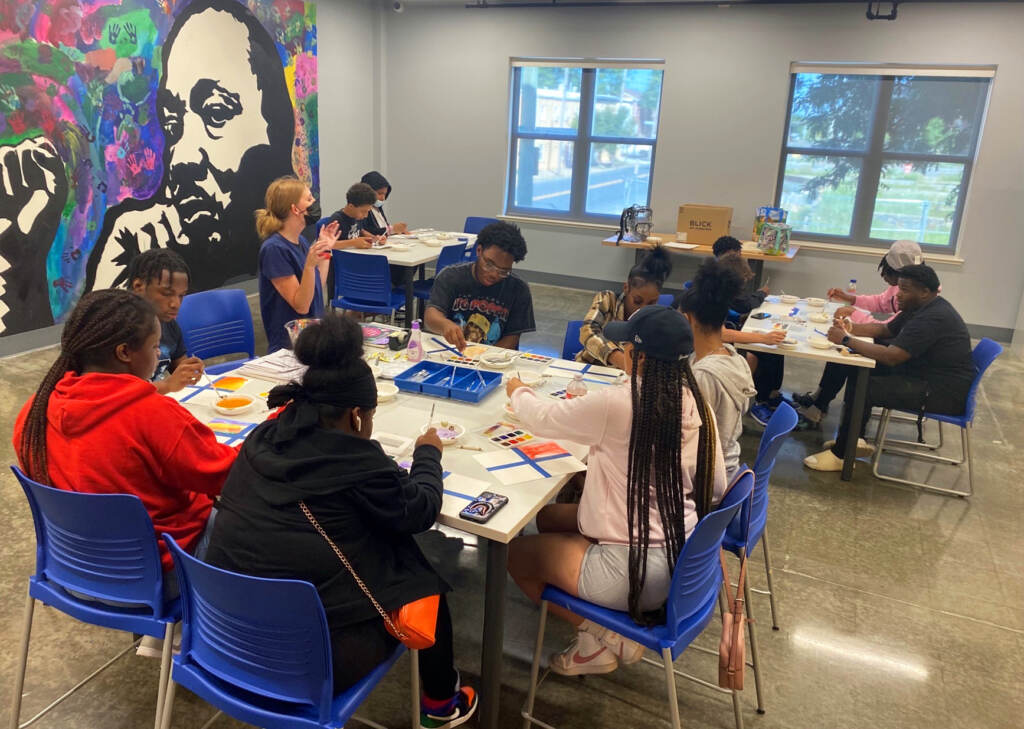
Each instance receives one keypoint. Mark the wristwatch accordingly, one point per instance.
(846, 340)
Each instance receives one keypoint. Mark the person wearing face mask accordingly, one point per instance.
(376, 222)
(642, 288)
(318, 454)
(292, 273)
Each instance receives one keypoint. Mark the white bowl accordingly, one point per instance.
(444, 236)
(447, 431)
(510, 412)
(820, 317)
(386, 391)
(432, 242)
(789, 299)
(498, 360)
(788, 343)
(238, 410)
(819, 342)
(531, 379)
(398, 246)
(816, 303)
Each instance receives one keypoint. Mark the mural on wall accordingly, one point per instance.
(131, 124)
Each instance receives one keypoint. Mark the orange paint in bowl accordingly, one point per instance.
(232, 403)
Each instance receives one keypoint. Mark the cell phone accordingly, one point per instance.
(483, 507)
(760, 315)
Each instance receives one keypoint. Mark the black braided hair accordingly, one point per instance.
(100, 322)
(655, 465)
(150, 266)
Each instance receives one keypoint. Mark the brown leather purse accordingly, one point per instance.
(413, 624)
(732, 654)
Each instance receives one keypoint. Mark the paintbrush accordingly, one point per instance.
(219, 395)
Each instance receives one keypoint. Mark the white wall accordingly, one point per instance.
(347, 68)
(723, 110)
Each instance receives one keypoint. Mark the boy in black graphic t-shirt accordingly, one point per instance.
(484, 301)
(358, 201)
(161, 277)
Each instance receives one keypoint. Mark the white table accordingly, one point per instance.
(418, 254)
(800, 328)
(405, 416)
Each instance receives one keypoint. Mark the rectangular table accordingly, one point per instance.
(416, 256)
(800, 328)
(405, 416)
(754, 257)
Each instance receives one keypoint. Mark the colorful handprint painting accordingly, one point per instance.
(132, 124)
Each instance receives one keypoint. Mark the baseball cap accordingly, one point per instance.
(657, 331)
(904, 253)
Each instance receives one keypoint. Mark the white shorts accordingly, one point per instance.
(604, 577)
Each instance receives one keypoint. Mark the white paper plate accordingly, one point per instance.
(446, 439)
(816, 303)
(819, 342)
(497, 360)
(789, 344)
(398, 247)
(819, 317)
(789, 299)
(433, 242)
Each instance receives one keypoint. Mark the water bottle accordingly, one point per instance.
(414, 350)
(852, 288)
(576, 388)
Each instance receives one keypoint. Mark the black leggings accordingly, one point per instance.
(768, 377)
(358, 649)
(833, 379)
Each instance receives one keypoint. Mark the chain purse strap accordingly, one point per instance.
(395, 630)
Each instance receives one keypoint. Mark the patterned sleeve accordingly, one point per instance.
(595, 347)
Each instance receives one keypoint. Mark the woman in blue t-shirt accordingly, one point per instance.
(292, 273)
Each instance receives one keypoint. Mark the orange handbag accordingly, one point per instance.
(413, 624)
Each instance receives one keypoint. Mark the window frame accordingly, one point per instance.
(582, 139)
(874, 157)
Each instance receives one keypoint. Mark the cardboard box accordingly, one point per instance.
(703, 224)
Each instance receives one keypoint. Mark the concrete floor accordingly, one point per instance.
(897, 609)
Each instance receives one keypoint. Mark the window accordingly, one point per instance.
(582, 137)
(872, 155)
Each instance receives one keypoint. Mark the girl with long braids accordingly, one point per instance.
(98, 425)
(654, 469)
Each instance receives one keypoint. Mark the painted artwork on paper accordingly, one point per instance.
(132, 124)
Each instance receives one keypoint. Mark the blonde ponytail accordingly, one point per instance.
(281, 195)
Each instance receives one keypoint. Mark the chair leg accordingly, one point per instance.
(670, 684)
(754, 657)
(737, 708)
(19, 673)
(165, 673)
(880, 448)
(768, 578)
(535, 666)
(414, 690)
(165, 720)
(965, 436)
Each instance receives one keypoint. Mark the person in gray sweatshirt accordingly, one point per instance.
(722, 374)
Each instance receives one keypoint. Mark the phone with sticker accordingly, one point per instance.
(483, 507)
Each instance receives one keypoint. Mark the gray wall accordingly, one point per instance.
(723, 110)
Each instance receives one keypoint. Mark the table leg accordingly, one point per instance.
(757, 266)
(494, 635)
(860, 393)
(410, 299)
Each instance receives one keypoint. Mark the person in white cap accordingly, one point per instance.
(813, 406)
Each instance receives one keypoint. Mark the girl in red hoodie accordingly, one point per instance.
(97, 424)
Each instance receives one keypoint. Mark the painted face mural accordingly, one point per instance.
(132, 124)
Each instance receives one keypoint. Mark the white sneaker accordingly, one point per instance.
(626, 651)
(864, 449)
(584, 655)
(824, 461)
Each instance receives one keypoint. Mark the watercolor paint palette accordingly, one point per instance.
(458, 359)
(560, 394)
(508, 435)
(531, 357)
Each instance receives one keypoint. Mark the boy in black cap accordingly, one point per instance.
(926, 365)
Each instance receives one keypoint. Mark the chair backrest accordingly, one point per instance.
(666, 299)
(101, 545)
(217, 322)
(697, 577)
(267, 637)
(781, 424)
(983, 355)
(474, 225)
(571, 344)
(362, 277)
(449, 256)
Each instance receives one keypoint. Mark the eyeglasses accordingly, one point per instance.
(493, 267)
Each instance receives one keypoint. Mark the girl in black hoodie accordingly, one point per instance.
(319, 450)
(377, 222)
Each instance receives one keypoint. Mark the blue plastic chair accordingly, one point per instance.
(102, 546)
(450, 255)
(216, 323)
(320, 224)
(474, 225)
(983, 355)
(362, 282)
(691, 604)
(571, 344)
(260, 651)
(666, 299)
